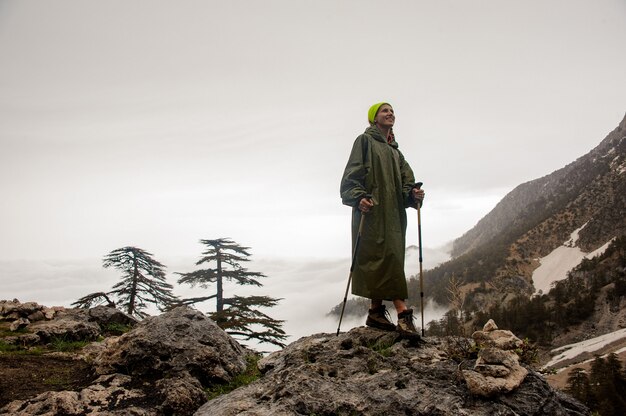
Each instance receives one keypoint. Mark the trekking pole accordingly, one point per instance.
(354, 253)
(419, 242)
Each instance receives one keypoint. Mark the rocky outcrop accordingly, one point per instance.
(160, 367)
(13, 309)
(44, 324)
(69, 325)
(164, 365)
(107, 317)
(181, 342)
(116, 394)
(109, 395)
(370, 372)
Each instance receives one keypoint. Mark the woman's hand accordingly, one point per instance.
(418, 195)
(365, 204)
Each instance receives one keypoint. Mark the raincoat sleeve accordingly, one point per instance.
(353, 183)
(408, 182)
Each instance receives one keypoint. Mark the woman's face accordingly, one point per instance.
(385, 116)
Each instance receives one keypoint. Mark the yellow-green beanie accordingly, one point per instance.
(371, 114)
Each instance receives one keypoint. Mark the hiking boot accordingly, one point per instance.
(405, 326)
(379, 318)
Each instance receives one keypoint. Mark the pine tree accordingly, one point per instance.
(143, 281)
(578, 385)
(598, 382)
(607, 384)
(237, 315)
(617, 382)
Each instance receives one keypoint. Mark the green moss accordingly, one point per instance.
(6, 332)
(19, 350)
(61, 379)
(116, 329)
(528, 353)
(250, 374)
(460, 349)
(383, 347)
(61, 344)
(8, 348)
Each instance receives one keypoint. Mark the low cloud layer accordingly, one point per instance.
(309, 289)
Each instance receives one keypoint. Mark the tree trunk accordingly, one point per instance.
(131, 301)
(220, 289)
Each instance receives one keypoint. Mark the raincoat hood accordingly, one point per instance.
(378, 136)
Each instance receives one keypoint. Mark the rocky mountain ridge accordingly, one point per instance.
(585, 191)
(165, 364)
(502, 251)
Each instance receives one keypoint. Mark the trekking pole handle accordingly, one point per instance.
(418, 185)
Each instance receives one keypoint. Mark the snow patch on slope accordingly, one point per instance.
(571, 351)
(560, 261)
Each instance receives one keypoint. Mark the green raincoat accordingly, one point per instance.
(378, 168)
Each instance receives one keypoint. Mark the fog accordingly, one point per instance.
(308, 288)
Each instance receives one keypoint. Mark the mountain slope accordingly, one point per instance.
(494, 262)
(587, 189)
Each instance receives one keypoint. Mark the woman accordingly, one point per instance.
(376, 168)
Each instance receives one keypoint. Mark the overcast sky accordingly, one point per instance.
(159, 123)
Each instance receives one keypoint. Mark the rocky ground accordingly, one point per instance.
(28, 370)
(26, 376)
(370, 372)
(110, 364)
(169, 365)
